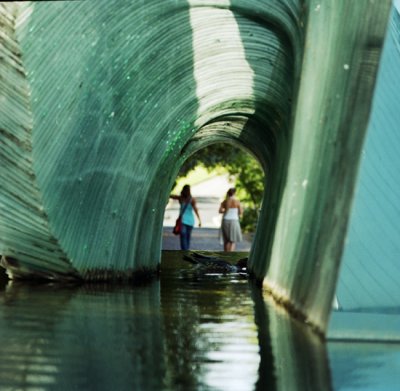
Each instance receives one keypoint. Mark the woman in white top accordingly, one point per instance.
(230, 227)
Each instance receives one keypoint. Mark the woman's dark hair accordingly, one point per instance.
(231, 192)
(185, 193)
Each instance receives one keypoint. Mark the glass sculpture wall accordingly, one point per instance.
(101, 105)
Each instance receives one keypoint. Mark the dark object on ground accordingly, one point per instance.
(216, 265)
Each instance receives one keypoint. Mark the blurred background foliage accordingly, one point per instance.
(242, 167)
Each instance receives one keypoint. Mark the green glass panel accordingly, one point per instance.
(368, 289)
(108, 101)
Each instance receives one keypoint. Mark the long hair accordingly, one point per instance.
(231, 192)
(185, 193)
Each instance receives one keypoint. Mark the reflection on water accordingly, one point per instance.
(182, 332)
(83, 338)
(365, 366)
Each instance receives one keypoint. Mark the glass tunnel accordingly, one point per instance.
(101, 106)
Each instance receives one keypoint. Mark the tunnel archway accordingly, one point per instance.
(244, 132)
(210, 172)
(248, 101)
(283, 79)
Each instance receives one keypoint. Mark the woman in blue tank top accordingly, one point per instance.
(187, 207)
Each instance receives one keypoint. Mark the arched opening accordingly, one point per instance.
(210, 172)
(262, 132)
(281, 79)
(224, 73)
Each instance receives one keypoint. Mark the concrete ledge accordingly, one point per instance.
(351, 326)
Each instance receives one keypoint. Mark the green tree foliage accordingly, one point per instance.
(248, 174)
(250, 186)
(211, 157)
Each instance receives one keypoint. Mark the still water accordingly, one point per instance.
(184, 331)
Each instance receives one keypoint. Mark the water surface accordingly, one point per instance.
(184, 331)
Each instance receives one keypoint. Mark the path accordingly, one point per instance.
(202, 239)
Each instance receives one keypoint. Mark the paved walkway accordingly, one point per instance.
(202, 239)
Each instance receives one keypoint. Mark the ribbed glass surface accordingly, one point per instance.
(108, 99)
(123, 92)
(371, 267)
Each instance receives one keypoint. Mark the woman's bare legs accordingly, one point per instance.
(229, 246)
